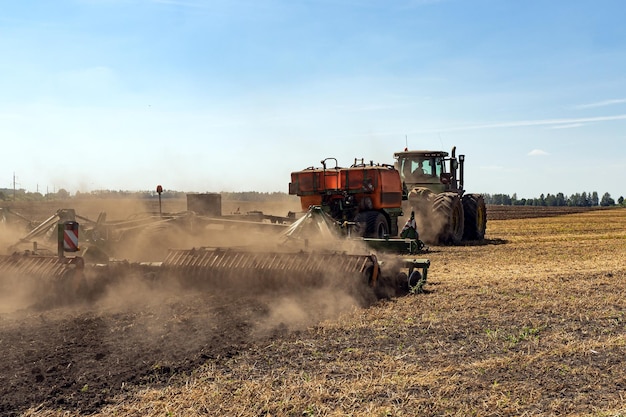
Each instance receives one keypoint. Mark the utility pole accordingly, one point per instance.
(14, 186)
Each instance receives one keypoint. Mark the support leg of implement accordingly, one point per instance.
(417, 279)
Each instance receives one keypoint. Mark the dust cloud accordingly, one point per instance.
(300, 310)
(136, 319)
(11, 231)
(128, 281)
(19, 290)
(16, 293)
(429, 224)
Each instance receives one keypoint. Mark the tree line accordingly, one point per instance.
(63, 194)
(584, 199)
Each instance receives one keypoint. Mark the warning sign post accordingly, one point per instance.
(67, 237)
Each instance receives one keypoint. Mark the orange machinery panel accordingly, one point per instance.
(382, 184)
(311, 184)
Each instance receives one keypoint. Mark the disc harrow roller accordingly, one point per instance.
(40, 267)
(218, 267)
(51, 280)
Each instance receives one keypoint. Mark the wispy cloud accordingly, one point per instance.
(538, 152)
(551, 123)
(527, 123)
(601, 103)
(547, 122)
(570, 126)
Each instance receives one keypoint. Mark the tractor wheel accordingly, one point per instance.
(372, 224)
(419, 200)
(475, 217)
(415, 282)
(378, 225)
(448, 215)
(392, 286)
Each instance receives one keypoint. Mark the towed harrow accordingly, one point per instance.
(218, 267)
(54, 281)
(56, 278)
(42, 279)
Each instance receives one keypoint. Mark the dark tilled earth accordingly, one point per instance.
(132, 334)
(78, 358)
(495, 212)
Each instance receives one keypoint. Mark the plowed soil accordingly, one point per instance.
(79, 356)
(529, 322)
(78, 359)
(529, 212)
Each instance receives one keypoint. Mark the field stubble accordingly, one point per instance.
(530, 323)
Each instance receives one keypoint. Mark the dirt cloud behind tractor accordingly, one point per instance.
(197, 250)
(163, 293)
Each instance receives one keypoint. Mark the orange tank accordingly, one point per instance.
(367, 194)
(312, 183)
(381, 184)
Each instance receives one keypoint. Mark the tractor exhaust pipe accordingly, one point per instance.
(457, 164)
(461, 170)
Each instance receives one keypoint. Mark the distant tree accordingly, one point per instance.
(620, 201)
(63, 194)
(3, 196)
(582, 200)
(607, 200)
(574, 200)
(595, 200)
(34, 196)
(561, 200)
(498, 199)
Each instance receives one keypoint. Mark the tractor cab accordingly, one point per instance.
(430, 169)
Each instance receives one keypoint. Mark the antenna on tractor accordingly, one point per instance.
(406, 142)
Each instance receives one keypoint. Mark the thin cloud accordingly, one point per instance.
(552, 123)
(570, 126)
(546, 122)
(601, 103)
(538, 152)
(528, 123)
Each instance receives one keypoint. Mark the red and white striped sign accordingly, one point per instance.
(70, 237)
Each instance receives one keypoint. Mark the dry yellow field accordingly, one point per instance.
(530, 323)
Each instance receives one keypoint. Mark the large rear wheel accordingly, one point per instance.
(475, 217)
(374, 224)
(448, 217)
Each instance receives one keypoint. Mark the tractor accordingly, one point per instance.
(432, 189)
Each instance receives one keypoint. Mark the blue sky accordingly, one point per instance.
(234, 95)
